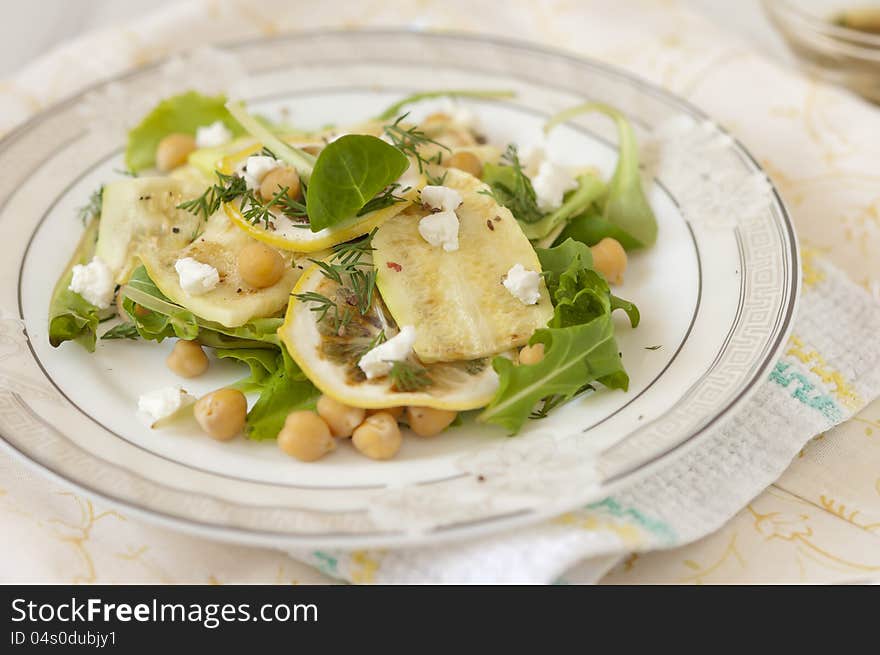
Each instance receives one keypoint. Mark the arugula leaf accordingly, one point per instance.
(590, 189)
(632, 312)
(180, 113)
(125, 330)
(72, 317)
(348, 173)
(573, 357)
(395, 109)
(512, 188)
(556, 261)
(284, 391)
(579, 344)
(625, 205)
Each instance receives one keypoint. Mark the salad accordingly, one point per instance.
(365, 277)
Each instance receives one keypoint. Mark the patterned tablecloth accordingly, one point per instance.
(820, 522)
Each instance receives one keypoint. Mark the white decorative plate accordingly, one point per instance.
(717, 294)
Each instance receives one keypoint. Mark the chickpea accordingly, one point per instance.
(378, 437)
(531, 354)
(313, 149)
(222, 413)
(342, 419)
(396, 412)
(609, 258)
(306, 436)
(277, 179)
(173, 150)
(427, 421)
(187, 359)
(467, 162)
(259, 265)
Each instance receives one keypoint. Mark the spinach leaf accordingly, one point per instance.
(72, 317)
(625, 205)
(181, 113)
(590, 189)
(284, 391)
(348, 173)
(395, 109)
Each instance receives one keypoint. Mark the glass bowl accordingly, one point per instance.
(823, 34)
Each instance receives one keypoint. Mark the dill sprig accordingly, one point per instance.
(384, 199)
(252, 208)
(355, 280)
(408, 376)
(410, 141)
(93, 206)
(228, 188)
(325, 308)
(552, 402)
(519, 195)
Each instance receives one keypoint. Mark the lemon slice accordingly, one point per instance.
(456, 300)
(330, 360)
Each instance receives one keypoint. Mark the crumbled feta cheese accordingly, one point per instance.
(94, 282)
(440, 229)
(441, 197)
(378, 361)
(550, 185)
(257, 167)
(213, 135)
(523, 284)
(195, 277)
(162, 403)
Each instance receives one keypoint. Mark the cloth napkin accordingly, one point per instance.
(817, 143)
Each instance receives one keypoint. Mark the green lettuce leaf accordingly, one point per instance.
(72, 317)
(180, 113)
(155, 316)
(625, 205)
(284, 391)
(262, 364)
